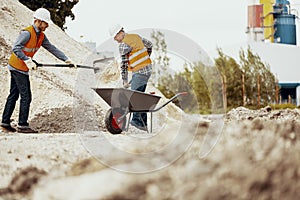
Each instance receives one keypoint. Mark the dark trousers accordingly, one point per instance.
(139, 83)
(19, 86)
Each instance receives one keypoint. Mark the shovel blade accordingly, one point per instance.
(104, 60)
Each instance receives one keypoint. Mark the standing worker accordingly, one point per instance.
(135, 54)
(27, 44)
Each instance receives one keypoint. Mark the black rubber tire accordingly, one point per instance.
(111, 123)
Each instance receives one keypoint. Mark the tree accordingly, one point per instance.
(231, 75)
(192, 82)
(260, 82)
(202, 88)
(160, 49)
(160, 56)
(59, 9)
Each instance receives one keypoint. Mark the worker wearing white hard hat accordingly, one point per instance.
(135, 54)
(27, 44)
(115, 29)
(43, 15)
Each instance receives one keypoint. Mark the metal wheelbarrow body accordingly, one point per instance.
(123, 101)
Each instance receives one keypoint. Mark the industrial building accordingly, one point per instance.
(272, 34)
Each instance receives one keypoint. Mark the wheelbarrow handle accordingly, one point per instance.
(182, 93)
(170, 100)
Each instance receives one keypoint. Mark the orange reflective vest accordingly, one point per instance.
(30, 48)
(138, 57)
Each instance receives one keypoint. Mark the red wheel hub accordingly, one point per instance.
(115, 123)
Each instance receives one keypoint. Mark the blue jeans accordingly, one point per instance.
(139, 83)
(19, 86)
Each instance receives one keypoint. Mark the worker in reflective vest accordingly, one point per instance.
(135, 54)
(27, 44)
(29, 49)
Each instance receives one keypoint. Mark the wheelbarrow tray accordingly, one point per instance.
(135, 101)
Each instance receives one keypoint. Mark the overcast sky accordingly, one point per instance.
(210, 23)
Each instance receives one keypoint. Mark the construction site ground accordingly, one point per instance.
(253, 155)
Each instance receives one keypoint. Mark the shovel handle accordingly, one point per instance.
(55, 65)
(37, 64)
(63, 65)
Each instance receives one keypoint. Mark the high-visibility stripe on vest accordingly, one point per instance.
(29, 49)
(138, 57)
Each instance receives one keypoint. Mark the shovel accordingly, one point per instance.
(96, 69)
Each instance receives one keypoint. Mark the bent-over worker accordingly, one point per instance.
(135, 54)
(27, 44)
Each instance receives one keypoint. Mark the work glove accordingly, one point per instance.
(30, 64)
(126, 84)
(149, 51)
(70, 62)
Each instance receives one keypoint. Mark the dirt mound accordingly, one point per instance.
(242, 113)
(22, 183)
(5, 50)
(56, 120)
(61, 120)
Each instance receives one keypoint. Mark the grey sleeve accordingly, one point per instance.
(52, 49)
(124, 50)
(147, 43)
(22, 39)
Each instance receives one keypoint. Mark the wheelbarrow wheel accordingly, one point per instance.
(112, 120)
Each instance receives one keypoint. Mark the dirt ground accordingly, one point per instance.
(255, 158)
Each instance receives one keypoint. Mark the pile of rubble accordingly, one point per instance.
(266, 113)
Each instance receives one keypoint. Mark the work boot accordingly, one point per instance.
(8, 127)
(25, 129)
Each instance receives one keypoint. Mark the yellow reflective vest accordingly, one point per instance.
(138, 57)
(30, 48)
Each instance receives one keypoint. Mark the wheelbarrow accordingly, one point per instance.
(125, 101)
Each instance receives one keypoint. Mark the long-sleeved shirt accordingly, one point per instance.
(24, 37)
(124, 50)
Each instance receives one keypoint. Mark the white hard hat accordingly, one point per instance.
(43, 14)
(115, 29)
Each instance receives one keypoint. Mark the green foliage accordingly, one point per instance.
(160, 50)
(59, 9)
(257, 74)
(198, 99)
(231, 75)
(283, 106)
(215, 89)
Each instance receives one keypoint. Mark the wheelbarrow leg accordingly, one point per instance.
(128, 122)
(151, 122)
